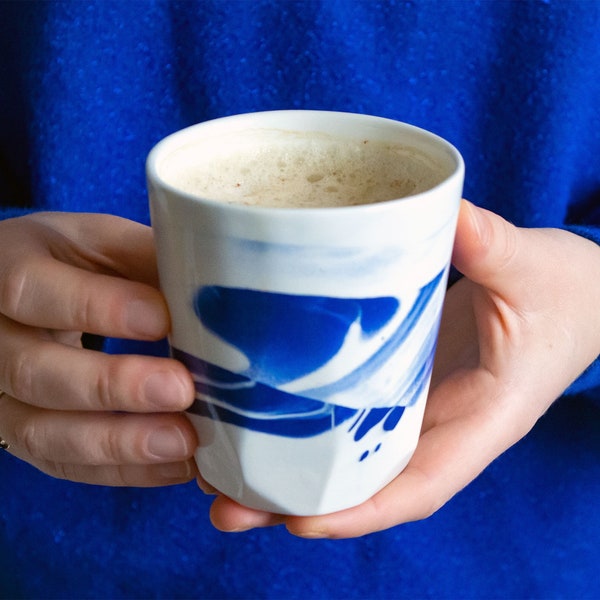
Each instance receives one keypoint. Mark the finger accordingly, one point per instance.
(485, 243)
(124, 475)
(51, 375)
(522, 307)
(229, 516)
(494, 253)
(47, 437)
(508, 261)
(208, 489)
(50, 294)
(61, 283)
(98, 242)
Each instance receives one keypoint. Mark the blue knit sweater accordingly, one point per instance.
(86, 89)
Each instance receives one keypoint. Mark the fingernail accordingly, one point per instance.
(311, 535)
(176, 472)
(167, 443)
(479, 221)
(208, 489)
(145, 319)
(164, 390)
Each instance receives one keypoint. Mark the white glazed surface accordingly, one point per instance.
(352, 297)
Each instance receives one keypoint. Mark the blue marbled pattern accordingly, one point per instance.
(286, 337)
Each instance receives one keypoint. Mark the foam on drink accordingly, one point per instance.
(300, 170)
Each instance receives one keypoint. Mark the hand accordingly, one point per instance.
(75, 413)
(516, 331)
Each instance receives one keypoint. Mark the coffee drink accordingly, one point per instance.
(300, 170)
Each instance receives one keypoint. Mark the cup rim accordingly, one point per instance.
(173, 141)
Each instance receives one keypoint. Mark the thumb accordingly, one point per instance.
(490, 251)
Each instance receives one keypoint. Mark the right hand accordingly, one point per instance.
(80, 414)
(516, 331)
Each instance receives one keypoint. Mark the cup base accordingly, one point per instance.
(306, 476)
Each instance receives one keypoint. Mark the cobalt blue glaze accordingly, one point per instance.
(286, 337)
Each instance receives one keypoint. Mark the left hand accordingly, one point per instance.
(516, 331)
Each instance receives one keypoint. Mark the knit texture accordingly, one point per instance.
(87, 88)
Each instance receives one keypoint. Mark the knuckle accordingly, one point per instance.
(62, 471)
(104, 387)
(97, 308)
(121, 383)
(427, 509)
(508, 247)
(121, 476)
(20, 374)
(112, 451)
(430, 498)
(112, 383)
(100, 306)
(13, 283)
(117, 440)
(30, 439)
(83, 312)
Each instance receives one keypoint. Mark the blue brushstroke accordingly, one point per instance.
(238, 400)
(295, 426)
(286, 337)
(386, 352)
(373, 417)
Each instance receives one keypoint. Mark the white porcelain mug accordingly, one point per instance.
(310, 332)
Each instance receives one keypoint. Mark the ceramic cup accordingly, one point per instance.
(310, 332)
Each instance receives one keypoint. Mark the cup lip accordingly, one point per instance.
(456, 177)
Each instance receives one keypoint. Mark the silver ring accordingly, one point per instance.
(4, 445)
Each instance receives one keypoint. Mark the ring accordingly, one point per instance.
(4, 445)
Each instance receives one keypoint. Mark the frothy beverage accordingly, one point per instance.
(279, 169)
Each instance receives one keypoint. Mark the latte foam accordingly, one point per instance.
(300, 170)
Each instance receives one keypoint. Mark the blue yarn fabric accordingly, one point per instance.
(87, 88)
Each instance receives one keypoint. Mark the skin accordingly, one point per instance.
(517, 330)
(61, 275)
